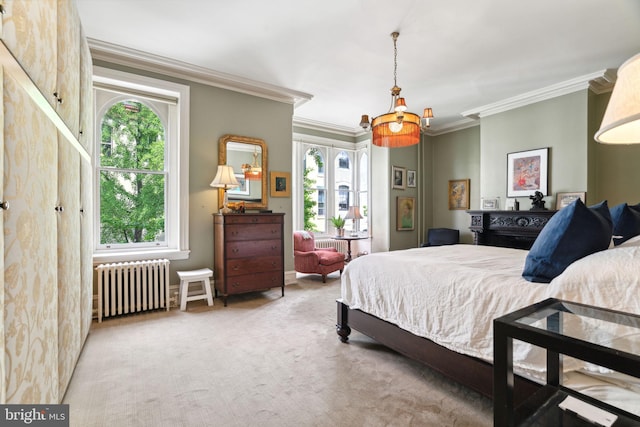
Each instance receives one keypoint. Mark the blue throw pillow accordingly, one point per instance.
(572, 233)
(626, 222)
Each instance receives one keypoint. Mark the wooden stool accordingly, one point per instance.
(202, 276)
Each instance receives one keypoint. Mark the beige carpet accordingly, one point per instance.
(261, 361)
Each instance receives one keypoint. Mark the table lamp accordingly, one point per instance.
(225, 179)
(354, 214)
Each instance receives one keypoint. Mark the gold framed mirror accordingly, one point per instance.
(248, 158)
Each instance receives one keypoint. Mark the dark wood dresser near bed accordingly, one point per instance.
(509, 229)
(248, 253)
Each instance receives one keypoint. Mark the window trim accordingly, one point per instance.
(177, 225)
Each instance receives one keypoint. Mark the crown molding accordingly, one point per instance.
(461, 124)
(599, 82)
(326, 127)
(145, 61)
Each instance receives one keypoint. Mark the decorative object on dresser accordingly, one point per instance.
(248, 253)
(490, 204)
(537, 204)
(565, 199)
(514, 229)
(527, 172)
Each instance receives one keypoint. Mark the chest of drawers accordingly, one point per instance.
(248, 253)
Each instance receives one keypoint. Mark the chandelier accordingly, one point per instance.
(398, 127)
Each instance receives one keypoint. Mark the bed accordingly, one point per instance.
(436, 304)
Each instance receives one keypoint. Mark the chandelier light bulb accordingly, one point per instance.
(395, 127)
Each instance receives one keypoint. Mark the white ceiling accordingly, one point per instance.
(453, 55)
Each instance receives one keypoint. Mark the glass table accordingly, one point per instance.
(601, 336)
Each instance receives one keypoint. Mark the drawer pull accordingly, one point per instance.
(274, 247)
(235, 284)
(254, 219)
(236, 268)
(235, 250)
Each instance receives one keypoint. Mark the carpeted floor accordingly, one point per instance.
(261, 361)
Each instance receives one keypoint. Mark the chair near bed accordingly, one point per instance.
(441, 236)
(309, 259)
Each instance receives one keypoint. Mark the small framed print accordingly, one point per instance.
(490, 204)
(411, 179)
(405, 213)
(280, 184)
(565, 199)
(398, 177)
(458, 194)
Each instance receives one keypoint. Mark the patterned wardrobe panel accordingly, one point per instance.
(30, 250)
(69, 278)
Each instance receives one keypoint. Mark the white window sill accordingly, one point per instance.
(139, 255)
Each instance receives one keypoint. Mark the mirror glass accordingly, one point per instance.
(248, 157)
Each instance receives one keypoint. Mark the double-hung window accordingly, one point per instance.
(141, 160)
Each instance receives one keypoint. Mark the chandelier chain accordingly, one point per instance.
(395, 61)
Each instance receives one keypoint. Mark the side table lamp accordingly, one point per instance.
(225, 179)
(353, 214)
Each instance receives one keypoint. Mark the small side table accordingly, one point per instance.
(562, 328)
(349, 239)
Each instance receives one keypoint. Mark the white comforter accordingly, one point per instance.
(451, 294)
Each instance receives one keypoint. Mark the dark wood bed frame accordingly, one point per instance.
(497, 228)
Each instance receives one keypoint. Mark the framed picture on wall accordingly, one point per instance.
(527, 172)
(398, 177)
(458, 194)
(280, 184)
(405, 213)
(411, 178)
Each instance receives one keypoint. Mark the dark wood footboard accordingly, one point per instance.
(466, 370)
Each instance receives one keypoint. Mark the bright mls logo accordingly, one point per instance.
(34, 415)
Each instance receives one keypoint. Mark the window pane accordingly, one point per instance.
(314, 191)
(132, 137)
(131, 207)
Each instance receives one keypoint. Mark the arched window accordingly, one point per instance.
(141, 167)
(132, 175)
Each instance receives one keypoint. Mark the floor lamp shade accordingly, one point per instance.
(621, 122)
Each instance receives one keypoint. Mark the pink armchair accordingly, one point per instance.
(309, 259)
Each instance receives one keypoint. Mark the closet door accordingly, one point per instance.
(68, 246)
(3, 207)
(68, 60)
(86, 96)
(29, 31)
(30, 250)
(86, 247)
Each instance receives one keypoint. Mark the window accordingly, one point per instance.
(332, 176)
(141, 181)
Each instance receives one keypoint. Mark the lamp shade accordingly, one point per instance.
(353, 213)
(225, 178)
(621, 122)
(384, 136)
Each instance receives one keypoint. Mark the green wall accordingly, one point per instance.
(455, 155)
